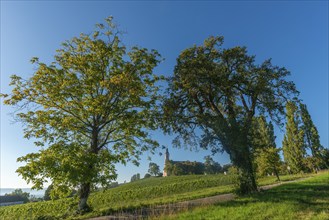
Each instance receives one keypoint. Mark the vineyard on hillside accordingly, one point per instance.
(145, 192)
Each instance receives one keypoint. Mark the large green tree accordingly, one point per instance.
(293, 142)
(211, 166)
(214, 95)
(312, 138)
(267, 158)
(91, 108)
(154, 169)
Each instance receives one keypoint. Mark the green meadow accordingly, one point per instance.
(305, 199)
(132, 196)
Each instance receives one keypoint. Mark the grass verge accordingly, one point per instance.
(307, 199)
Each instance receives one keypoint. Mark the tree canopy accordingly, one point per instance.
(312, 138)
(214, 95)
(154, 169)
(91, 108)
(18, 193)
(211, 166)
(293, 142)
(135, 177)
(267, 158)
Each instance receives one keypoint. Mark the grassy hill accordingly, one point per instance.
(307, 199)
(142, 193)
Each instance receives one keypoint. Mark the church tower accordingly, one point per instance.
(167, 155)
(166, 162)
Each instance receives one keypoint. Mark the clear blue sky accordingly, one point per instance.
(294, 34)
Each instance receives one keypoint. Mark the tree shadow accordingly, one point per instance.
(303, 195)
(314, 196)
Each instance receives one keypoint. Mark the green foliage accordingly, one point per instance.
(262, 133)
(268, 161)
(147, 175)
(57, 209)
(233, 170)
(50, 193)
(19, 192)
(135, 177)
(211, 166)
(216, 92)
(113, 185)
(325, 153)
(47, 196)
(293, 143)
(89, 109)
(226, 167)
(154, 169)
(175, 168)
(311, 164)
(301, 134)
(312, 139)
(267, 158)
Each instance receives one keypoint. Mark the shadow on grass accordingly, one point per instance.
(303, 195)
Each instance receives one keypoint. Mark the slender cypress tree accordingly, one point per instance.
(264, 135)
(293, 142)
(267, 157)
(311, 137)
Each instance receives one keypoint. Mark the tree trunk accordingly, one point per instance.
(247, 180)
(242, 159)
(85, 187)
(277, 174)
(83, 197)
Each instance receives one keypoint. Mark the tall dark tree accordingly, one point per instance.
(325, 155)
(293, 143)
(90, 109)
(312, 138)
(267, 158)
(263, 133)
(214, 95)
(47, 195)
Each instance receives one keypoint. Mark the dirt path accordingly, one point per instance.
(168, 209)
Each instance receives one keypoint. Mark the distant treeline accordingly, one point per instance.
(177, 168)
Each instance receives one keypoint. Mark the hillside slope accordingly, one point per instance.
(146, 192)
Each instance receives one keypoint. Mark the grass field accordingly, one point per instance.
(307, 199)
(142, 193)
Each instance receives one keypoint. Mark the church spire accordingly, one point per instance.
(167, 155)
(166, 163)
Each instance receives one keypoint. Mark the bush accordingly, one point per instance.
(147, 175)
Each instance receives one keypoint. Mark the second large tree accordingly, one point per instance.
(214, 95)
